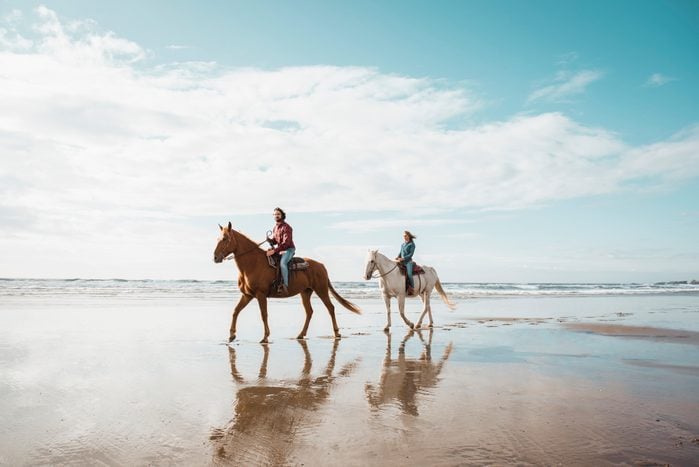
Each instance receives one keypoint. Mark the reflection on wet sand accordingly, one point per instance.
(402, 379)
(269, 414)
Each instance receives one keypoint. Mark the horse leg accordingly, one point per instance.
(306, 300)
(428, 306)
(325, 298)
(242, 303)
(401, 308)
(262, 300)
(387, 301)
(424, 311)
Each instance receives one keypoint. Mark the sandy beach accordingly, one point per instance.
(533, 381)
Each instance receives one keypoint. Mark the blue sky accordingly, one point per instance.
(521, 141)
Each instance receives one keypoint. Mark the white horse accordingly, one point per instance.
(392, 284)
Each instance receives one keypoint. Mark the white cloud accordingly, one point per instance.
(565, 85)
(370, 225)
(97, 148)
(81, 44)
(658, 79)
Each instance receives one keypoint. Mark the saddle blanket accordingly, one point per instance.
(296, 264)
(416, 269)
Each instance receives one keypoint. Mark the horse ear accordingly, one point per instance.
(220, 227)
(230, 226)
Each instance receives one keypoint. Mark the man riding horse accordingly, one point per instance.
(283, 244)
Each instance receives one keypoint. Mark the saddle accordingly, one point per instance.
(416, 269)
(296, 264)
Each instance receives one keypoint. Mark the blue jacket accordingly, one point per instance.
(406, 251)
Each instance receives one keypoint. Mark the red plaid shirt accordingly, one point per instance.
(282, 234)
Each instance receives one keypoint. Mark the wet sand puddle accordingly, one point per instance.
(462, 405)
(476, 389)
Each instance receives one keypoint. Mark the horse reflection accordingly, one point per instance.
(270, 413)
(402, 379)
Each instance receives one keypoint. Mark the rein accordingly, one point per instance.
(233, 255)
(384, 274)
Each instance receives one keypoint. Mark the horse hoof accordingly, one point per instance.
(418, 326)
(264, 341)
(431, 325)
(338, 336)
(231, 338)
(300, 337)
(412, 326)
(386, 329)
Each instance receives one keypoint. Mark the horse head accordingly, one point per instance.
(370, 264)
(226, 243)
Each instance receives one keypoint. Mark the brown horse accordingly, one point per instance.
(255, 280)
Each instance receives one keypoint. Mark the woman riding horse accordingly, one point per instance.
(407, 250)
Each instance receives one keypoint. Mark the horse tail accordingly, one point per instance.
(343, 301)
(443, 294)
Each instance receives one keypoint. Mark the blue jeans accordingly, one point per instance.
(284, 264)
(409, 271)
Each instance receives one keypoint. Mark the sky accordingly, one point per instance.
(537, 141)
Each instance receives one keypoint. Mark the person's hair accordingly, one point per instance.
(281, 211)
(412, 237)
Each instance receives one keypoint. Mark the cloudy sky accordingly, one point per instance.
(521, 141)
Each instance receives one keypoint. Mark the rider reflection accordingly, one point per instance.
(270, 412)
(404, 378)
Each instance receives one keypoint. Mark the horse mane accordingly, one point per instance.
(246, 242)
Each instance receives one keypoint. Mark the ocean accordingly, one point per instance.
(226, 290)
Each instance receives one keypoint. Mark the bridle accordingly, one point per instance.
(233, 255)
(376, 266)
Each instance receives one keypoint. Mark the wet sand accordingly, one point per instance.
(638, 332)
(523, 381)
